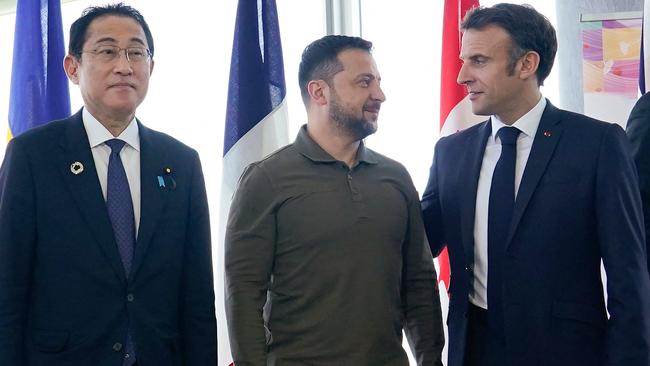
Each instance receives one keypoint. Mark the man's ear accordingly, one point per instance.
(318, 92)
(71, 67)
(529, 63)
(151, 67)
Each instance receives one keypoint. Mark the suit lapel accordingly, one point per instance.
(473, 159)
(547, 136)
(86, 191)
(152, 196)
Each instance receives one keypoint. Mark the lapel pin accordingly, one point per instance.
(166, 181)
(170, 178)
(76, 168)
(548, 133)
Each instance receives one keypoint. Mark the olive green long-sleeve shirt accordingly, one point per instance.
(325, 265)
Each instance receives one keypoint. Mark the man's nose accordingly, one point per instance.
(378, 94)
(122, 63)
(463, 75)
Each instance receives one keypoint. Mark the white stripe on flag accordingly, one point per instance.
(267, 136)
(460, 118)
(264, 138)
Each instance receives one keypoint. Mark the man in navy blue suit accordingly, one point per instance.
(528, 203)
(104, 228)
(638, 131)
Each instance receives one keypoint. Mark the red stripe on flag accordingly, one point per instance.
(445, 272)
(451, 93)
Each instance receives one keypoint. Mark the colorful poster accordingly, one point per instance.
(610, 68)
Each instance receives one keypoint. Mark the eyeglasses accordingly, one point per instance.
(111, 53)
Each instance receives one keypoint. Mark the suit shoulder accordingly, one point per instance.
(641, 107)
(585, 123)
(583, 132)
(41, 133)
(167, 141)
(462, 135)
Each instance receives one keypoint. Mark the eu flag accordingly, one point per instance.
(39, 86)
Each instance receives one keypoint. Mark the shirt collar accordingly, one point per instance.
(527, 124)
(312, 151)
(98, 134)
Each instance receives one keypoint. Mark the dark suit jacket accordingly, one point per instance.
(64, 296)
(578, 202)
(638, 131)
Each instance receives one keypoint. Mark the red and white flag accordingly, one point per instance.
(455, 108)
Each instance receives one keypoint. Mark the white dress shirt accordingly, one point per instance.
(527, 124)
(130, 155)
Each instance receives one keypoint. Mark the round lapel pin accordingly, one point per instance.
(76, 168)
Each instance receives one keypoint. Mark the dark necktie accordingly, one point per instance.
(500, 207)
(120, 211)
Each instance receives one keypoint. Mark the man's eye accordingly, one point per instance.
(106, 51)
(136, 52)
(364, 82)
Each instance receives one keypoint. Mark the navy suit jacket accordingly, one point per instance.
(64, 296)
(638, 131)
(578, 202)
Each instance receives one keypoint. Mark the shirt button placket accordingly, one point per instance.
(350, 179)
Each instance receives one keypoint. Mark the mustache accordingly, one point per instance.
(372, 106)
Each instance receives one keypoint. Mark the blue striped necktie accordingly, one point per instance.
(120, 211)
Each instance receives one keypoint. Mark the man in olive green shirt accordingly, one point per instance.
(326, 260)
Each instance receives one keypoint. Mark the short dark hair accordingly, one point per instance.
(320, 59)
(79, 29)
(528, 29)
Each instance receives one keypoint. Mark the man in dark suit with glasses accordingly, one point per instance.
(104, 229)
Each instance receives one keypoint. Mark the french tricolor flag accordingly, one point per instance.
(455, 109)
(256, 119)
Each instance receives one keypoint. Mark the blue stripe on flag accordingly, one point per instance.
(39, 86)
(642, 63)
(256, 70)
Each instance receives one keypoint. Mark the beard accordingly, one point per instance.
(347, 123)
